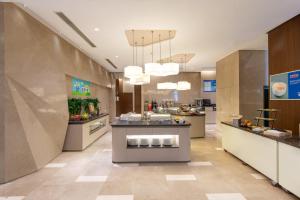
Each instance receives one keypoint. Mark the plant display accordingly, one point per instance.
(79, 108)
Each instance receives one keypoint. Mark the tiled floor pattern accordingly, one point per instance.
(226, 196)
(115, 197)
(199, 164)
(55, 165)
(258, 176)
(90, 175)
(12, 198)
(187, 177)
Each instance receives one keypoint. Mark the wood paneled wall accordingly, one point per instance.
(284, 56)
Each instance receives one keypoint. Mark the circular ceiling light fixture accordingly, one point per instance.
(167, 86)
(133, 71)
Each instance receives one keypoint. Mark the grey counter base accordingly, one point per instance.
(81, 135)
(122, 154)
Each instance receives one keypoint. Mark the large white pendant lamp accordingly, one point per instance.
(171, 68)
(184, 85)
(143, 78)
(166, 86)
(152, 68)
(133, 71)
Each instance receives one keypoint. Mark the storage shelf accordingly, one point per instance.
(268, 110)
(266, 119)
(152, 147)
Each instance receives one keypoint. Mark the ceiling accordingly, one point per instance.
(211, 29)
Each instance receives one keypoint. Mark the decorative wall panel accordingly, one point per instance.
(33, 109)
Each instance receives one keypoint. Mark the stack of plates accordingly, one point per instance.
(155, 142)
(167, 142)
(132, 142)
(144, 142)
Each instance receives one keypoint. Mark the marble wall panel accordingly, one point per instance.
(227, 95)
(1, 93)
(33, 110)
(241, 77)
(253, 70)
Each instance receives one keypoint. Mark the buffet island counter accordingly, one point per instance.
(150, 141)
(278, 158)
(80, 134)
(197, 121)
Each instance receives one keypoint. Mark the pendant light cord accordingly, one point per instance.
(143, 52)
(152, 45)
(133, 47)
(184, 62)
(159, 49)
(136, 54)
(170, 46)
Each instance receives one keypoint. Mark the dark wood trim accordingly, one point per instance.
(284, 56)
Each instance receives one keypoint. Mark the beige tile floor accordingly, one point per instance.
(147, 181)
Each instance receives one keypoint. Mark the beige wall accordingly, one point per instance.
(36, 115)
(208, 75)
(240, 81)
(2, 82)
(150, 91)
(253, 70)
(227, 96)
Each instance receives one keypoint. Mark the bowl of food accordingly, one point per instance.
(279, 89)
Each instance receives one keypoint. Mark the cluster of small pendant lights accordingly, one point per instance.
(138, 77)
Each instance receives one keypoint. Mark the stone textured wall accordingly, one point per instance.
(35, 105)
(227, 95)
(1, 93)
(241, 77)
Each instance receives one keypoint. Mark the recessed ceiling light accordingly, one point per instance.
(116, 56)
(96, 29)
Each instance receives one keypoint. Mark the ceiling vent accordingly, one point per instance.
(75, 28)
(111, 63)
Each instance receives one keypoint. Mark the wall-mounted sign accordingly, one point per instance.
(80, 87)
(285, 86)
(209, 85)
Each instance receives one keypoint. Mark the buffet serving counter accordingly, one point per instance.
(276, 157)
(197, 121)
(80, 134)
(150, 141)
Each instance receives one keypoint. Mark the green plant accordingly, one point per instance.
(74, 106)
(78, 106)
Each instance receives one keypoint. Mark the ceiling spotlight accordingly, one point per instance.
(96, 29)
(116, 56)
